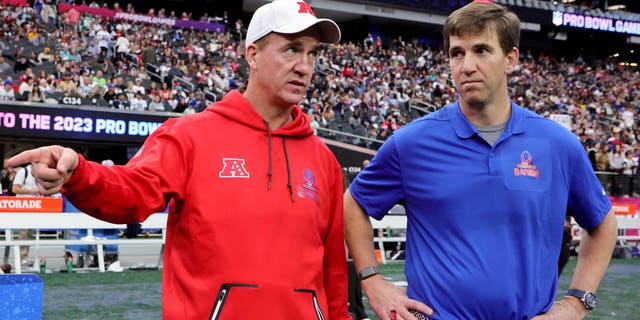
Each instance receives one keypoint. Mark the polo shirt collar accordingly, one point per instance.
(464, 129)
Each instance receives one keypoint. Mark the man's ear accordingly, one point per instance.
(511, 59)
(250, 54)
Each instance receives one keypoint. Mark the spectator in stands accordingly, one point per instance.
(121, 102)
(602, 158)
(302, 187)
(123, 47)
(165, 91)
(21, 62)
(65, 54)
(104, 38)
(153, 88)
(532, 169)
(164, 71)
(106, 64)
(4, 66)
(629, 164)
(616, 157)
(156, 104)
(6, 91)
(26, 86)
(171, 101)
(86, 87)
(24, 185)
(138, 103)
(138, 87)
(149, 55)
(45, 55)
(51, 86)
(110, 96)
(180, 100)
(99, 80)
(67, 85)
(33, 59)
(174, 72)
(35, 95)
(140, 73)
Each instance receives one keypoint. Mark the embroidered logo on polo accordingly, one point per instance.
(308, 189)
(233, 168)
(305, 8)
(526, 167)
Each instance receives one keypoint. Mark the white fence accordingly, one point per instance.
(10, 221)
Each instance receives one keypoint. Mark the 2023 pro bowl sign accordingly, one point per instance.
(77, 123)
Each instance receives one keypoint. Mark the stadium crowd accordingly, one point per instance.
(367, 89)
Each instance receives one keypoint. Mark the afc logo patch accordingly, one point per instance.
(233, 168)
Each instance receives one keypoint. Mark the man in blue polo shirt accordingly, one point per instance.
(486, 185)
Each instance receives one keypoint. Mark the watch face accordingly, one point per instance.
(590, 300)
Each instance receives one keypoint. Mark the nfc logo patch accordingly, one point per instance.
(233, 168)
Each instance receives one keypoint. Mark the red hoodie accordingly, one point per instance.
(255, 228)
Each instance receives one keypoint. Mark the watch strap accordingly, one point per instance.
(582, 295)
(368, 272)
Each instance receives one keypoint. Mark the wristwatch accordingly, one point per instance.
(368, 272)
(587, 297)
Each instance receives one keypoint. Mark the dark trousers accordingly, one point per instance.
(356, 307)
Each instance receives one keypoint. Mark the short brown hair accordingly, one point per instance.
(477, 17)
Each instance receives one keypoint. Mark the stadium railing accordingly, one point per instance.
(10, 221)
(396, 219)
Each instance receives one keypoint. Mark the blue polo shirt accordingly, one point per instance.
(484, 223)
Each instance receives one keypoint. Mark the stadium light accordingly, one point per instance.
(633, 39)
(562, 36)
(528, 26)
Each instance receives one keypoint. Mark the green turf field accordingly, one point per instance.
(136, 294)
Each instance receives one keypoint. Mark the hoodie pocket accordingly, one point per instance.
(250, 301)
(314, 300)
(223, 295)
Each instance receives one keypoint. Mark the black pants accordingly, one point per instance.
(356, 307)
(565, 251)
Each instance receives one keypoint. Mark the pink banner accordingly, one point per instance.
(22, 3)
(146, 19)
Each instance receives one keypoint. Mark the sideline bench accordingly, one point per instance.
(10, 221)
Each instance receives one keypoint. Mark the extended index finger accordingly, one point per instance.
(28, 156)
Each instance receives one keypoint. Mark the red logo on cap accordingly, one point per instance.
(306, 8)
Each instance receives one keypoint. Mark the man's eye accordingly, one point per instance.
(313, 54)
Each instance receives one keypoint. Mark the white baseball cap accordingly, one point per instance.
(289, 16)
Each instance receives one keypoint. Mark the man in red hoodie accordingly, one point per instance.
(255, 228)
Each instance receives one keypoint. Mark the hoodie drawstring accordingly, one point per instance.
(269, 172)
(286, 157)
